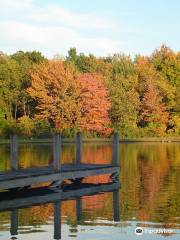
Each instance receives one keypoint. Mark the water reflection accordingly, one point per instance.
(12, 201)
(149, 194)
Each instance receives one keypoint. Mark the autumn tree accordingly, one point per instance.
(55, 90)
(89, 63)
(122, 83)
(152, 111)
(95, 104)
(167, 63)
(84, 64)
(68, 100)
(14, 77)
(136, 97)
(26, 61)
(10, 85)
(28, 58)
(151, 107)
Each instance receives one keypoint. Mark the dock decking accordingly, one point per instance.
(26, 177)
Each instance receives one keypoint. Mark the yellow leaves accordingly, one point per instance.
(25, 125)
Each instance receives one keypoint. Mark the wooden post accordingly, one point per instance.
(79, 209)
(116, 209)
(14, 222)
(115, 157)
(57, 220)
(14, 151)
(78, 148)
(57, 147)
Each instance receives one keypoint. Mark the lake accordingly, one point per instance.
(148, 197)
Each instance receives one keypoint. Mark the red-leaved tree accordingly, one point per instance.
(95, 104)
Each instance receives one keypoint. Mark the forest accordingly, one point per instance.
(136, 97)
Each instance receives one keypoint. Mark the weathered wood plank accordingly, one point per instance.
(47, 170)
(14, 151)
(88, 172)
(115, 159)
(78, 148)
(116, 210)
(79, 209)
(57, 220)
(25, 173)
(30, 179)
(14, 222)
(57, 148)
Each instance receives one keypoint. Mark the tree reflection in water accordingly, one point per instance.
(149, 193)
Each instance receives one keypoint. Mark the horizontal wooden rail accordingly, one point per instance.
(57, 150)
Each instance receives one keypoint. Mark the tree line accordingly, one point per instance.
(137, 97)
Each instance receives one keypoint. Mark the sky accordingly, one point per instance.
(100, 27)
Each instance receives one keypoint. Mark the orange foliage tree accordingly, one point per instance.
(56, 93)
(68, 100)
(152, 109)
(95, 103)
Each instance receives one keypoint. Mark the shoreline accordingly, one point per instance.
(97, 140)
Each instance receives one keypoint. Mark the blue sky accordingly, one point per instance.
(101, 27)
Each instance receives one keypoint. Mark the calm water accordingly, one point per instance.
(149, 195)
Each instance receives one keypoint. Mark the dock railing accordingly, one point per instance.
(57, 150)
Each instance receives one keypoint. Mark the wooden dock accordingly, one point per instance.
(13, 201)
(57, 172)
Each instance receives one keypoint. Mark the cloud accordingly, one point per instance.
(52, 39)
(14, 7)
(53, 29)
(63, 16)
